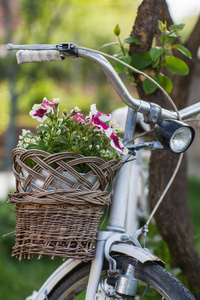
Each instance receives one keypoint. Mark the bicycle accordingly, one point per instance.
(121, 268)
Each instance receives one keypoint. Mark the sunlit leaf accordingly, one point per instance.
(166, 83)
(176, 65)
(177, 26)
(183, 50)
(161, 26)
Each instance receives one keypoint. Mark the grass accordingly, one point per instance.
(18, 279)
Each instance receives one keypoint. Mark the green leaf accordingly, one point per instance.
(42, 128)
(166, 83)
(149, 87)
(126, 59)
(183, 50)
(176, 65)
(42, 146)
(63, 140)
(133, 40)
(177, 26)
(120, 54)
(172, 34)
(155, 64)
(156, 52)
(32, 146)
(160, 26)
(141, 60)
(168, 37)
(120, 67)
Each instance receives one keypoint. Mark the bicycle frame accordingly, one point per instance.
(120, 220)
(121, 235)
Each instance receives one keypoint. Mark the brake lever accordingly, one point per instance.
(155, 145)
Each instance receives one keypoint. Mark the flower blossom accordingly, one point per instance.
(40, 111)
(78, 118)
(56, 101)
(98, 118)
(99, 137)
(27, 139)
(50, 103)
(75, 110)
(115, 127)
(116, 142)
(102, 117)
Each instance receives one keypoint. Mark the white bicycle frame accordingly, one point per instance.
(122, 227)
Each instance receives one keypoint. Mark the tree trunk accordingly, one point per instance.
(173, 216)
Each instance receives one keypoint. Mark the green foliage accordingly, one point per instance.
(90, 137)
(176, 65)
(157, 58)
(149, 87)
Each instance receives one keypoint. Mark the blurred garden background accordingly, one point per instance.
(77, 83)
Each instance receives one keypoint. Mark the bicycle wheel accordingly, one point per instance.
(154, 283)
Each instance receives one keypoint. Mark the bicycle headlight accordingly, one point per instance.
(174, 135)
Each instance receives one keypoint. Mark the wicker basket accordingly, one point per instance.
(58, 215)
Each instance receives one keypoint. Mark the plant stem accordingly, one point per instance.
(121, 46)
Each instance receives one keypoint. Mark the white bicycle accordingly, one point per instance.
(122, 268)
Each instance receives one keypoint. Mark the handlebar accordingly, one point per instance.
(151, 111)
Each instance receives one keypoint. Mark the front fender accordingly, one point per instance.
(141, 254)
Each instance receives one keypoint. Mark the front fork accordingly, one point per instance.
(97, 265)
(126, 283)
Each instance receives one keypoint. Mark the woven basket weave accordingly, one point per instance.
(58, 215)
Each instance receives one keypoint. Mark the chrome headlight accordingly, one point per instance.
(174, 135)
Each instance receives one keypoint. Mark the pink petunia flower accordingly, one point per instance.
(46, 103)
(40, 111)
(103, 117)
(78, 118)
(98, 119)
(116, 142)
(98, 123)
